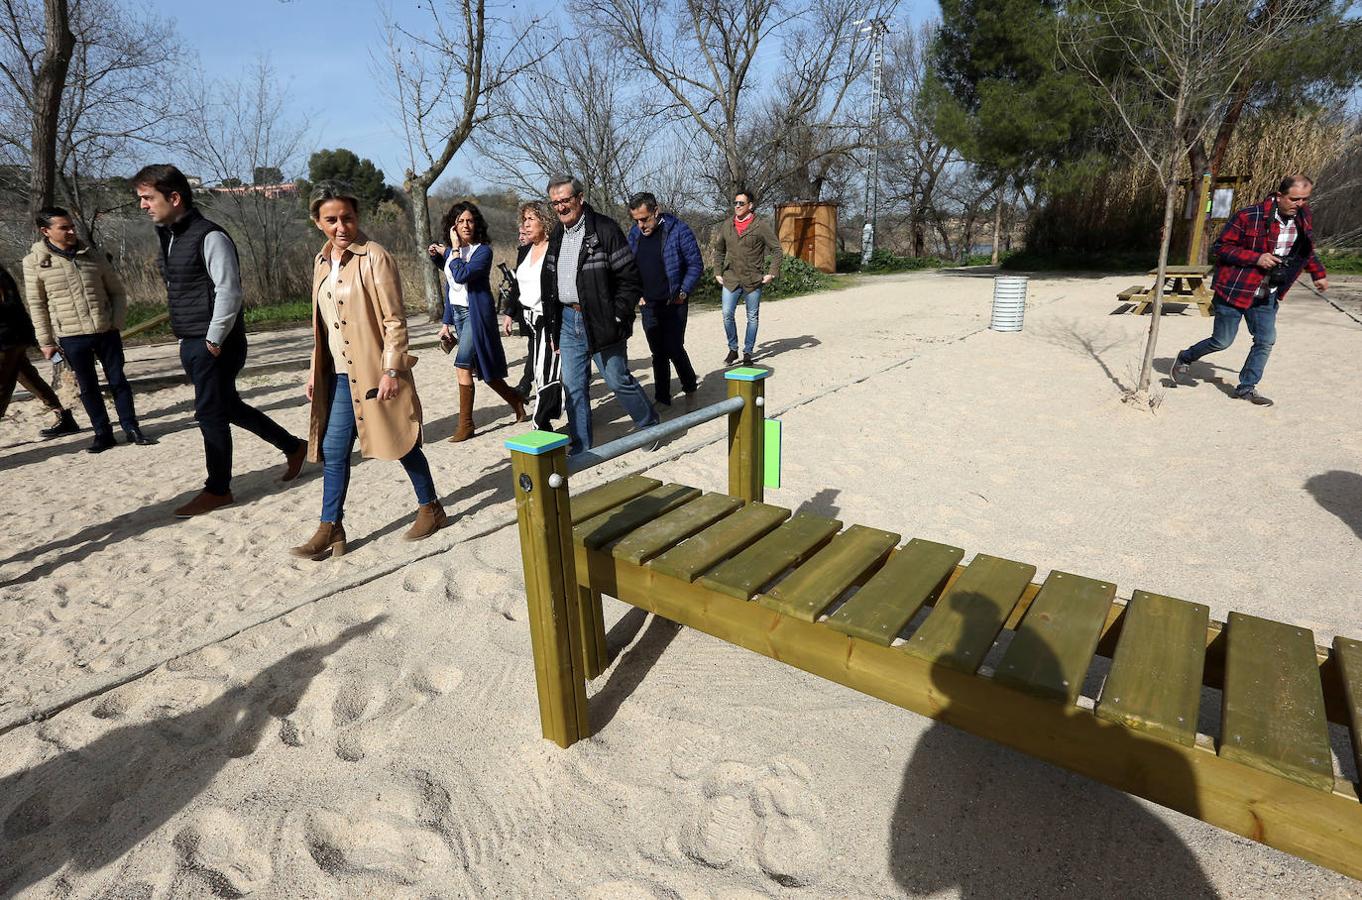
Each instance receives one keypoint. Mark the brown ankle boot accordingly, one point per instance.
(330, 538)
(465, 429)
(511, 396)
(430, 518)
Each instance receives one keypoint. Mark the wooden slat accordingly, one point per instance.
(966, 620)
(615, 523)
(1348, 655)
(813, 587)
(719, 541)
(666, 532)
(790, 544)
(886, 603)
(1050, 654)
(1155, 680)
(1273, 716)
(589, 504)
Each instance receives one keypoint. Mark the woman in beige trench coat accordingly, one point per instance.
(360, 384)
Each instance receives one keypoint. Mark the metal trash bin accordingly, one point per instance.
(1009, 302)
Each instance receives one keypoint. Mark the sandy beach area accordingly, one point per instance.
(188, 711)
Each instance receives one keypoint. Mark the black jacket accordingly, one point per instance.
(16, 328)
(608, 285)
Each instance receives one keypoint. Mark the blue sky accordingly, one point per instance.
(327, 53)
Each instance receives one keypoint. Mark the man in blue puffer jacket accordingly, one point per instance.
(669, 264)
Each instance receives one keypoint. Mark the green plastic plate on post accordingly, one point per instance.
(771, 468)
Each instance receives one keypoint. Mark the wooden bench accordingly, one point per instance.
(1133, 294)
(980, 646)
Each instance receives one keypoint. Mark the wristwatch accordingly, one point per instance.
(391, 373)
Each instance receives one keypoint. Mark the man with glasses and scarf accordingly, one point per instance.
(742, 246)
(1260, 254)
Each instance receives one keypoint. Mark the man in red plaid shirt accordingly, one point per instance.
(1260, 254)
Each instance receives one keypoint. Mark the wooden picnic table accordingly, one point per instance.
(1182, 284)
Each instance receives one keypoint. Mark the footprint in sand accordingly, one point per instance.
(216, 847)
(422, 579)
(361, 709)
(767, 818)
(401, 831)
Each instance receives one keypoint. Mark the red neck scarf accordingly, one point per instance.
(743, 224)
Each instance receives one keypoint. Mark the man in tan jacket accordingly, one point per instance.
(77, 302)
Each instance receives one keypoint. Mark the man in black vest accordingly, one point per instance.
(203, 286)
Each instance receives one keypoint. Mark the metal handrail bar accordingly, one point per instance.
(645, 437)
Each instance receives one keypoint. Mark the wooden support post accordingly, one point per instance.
(551, 583)
(747, 432)
(1198, 223)
(592, 617)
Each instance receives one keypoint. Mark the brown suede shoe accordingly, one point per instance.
(295, 462)
(204, 503)
(330, 538)
(430, 518)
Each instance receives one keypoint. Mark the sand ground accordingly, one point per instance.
(367, 725)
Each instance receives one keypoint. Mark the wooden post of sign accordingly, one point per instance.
(545, 521)
(1200, 213)
(747, 432)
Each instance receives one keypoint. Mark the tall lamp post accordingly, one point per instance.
(877, 28)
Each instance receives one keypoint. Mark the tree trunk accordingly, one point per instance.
(1170, 193)
(417, 189)
(58, 44)
(998, 223)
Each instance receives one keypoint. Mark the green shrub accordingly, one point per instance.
(1342, 262)
(884, 261)
(798, 277)
(849, 261)
(1029, 261)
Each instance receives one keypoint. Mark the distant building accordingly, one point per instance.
(270, 191)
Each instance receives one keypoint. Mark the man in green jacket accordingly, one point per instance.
(743, 244)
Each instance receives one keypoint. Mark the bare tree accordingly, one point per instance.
(594, 132)
(1166, 68)
(916, 158)
(238, 130)
(118, 96)
(37, 76)
(444, 77)
(701, 53)
(814, 121)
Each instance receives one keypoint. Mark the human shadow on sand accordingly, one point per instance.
(154, 426)
(975, 819)
(1341, 494)
(89, 806)
(94, 538)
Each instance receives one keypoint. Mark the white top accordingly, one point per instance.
(326, 304)
(527, 277)
(458, 293)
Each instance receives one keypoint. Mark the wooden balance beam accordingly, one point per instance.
(911, 626)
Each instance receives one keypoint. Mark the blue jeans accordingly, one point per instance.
(81, 351)
(340, 441)
(463, 354)
(1262, 324)
(613, 364)
(730, 306)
